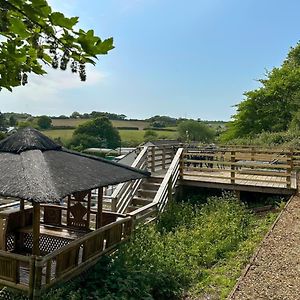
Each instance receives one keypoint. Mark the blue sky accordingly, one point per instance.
(192, 58)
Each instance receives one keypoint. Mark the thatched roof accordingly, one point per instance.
(34, 168)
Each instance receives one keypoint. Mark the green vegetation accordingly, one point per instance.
(193, 250)
(191, 130)
(116, 123)
(33, 36)
(150, 135)
(162, 121)
(128, 137)
(132, 138)
(44, 122)
(284, 139)
(97, 132)
(274, 107)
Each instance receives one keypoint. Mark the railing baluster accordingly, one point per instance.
(232, 167)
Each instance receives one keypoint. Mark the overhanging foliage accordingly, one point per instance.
(34, 36)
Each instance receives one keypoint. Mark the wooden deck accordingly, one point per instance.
(243, 182)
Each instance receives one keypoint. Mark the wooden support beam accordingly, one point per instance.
(22, 205)
(88, 214)
(153, 159)
(36, 229)
(99, 208)
(163, 157)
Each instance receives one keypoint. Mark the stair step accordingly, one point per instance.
(154, 179)
(146, 193)
(141, 201)
(150, 186)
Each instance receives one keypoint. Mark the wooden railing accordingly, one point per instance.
(74, 258)
(144, 214)
(124, 192)
(275, 167)
(167, 186)
(11, 265)
(160, 158)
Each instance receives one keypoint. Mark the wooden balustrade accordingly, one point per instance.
(80, 254)
(10, 270)
(123, 194)
(160, 158)
(274, 167)
(165, 190)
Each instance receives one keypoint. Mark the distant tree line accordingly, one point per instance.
(96, 114)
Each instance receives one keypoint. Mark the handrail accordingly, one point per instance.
(118, 193)
(142, 209)
(169, 181)
(83, 239)
(238, 163)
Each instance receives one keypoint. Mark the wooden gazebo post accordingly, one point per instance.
(36, 229)
(99, 207)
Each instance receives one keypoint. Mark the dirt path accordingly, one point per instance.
(275, 272)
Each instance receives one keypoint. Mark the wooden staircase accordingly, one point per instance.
(145, 194)
(144, 199)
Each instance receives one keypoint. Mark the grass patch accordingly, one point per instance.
(194, 250)
(128, 137)
(64, 134)
(116, 123)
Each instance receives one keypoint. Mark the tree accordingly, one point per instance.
(101, 131)
(195, 131)
(12, 121)
(274, 106)
(44, 122)
(34, 36)
(3, 122)
(75, 115)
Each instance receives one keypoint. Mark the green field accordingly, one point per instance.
(64, 134)
(116, 123)
(129, 136)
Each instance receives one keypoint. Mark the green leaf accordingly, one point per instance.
(58, 19)
(18, 27)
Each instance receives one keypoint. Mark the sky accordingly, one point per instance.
(191, 59)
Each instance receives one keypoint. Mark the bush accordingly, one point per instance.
(44, 122)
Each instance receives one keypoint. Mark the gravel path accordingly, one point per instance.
(275, 272)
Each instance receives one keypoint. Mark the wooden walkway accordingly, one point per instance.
(243, 182)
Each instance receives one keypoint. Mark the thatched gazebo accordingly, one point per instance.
(36, 169)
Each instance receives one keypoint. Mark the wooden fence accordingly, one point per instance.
(63, 263)
(254, 165)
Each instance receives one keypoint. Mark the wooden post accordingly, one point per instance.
(232, 166)
(181, 165)
(22, 205)
(252, 155)
(31, 276)
(289, 161)
(36, 229)
(114, 202)
(88, 214)
(99, 207)
(37, 278)
(163, 157)
(153, 159)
